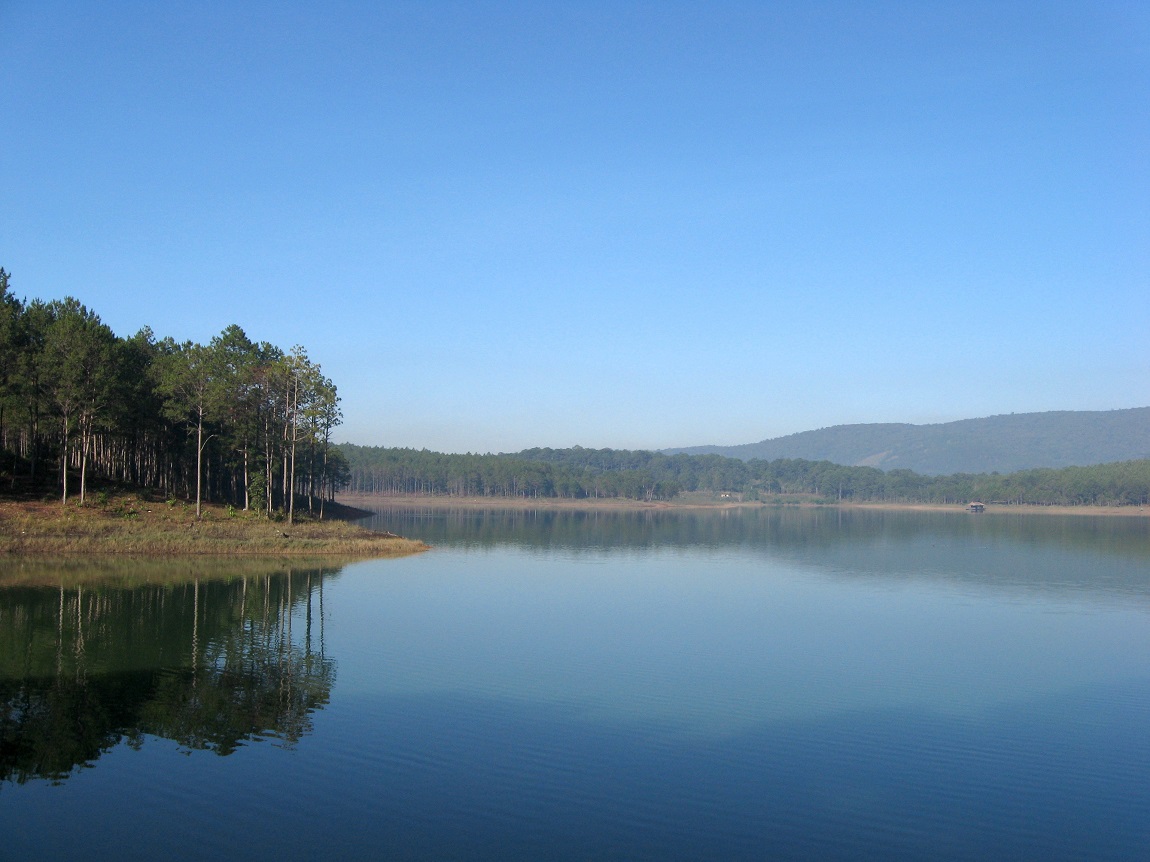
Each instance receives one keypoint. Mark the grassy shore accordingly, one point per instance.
(133, 525)
(706, 501)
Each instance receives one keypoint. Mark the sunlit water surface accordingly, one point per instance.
(758, 684)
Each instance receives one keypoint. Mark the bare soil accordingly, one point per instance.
(369, 501)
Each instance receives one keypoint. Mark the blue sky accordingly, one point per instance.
(639, 225)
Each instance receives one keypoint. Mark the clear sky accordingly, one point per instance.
(635, 225)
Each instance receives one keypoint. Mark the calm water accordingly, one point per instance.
(749, 685)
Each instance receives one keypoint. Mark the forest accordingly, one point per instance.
(232, 421)
(641, 475)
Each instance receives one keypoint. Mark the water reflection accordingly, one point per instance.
(1030, 552)
(207, 663)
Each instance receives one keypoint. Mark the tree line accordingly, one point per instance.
(230, 421)
(589, 473)
(393, 471)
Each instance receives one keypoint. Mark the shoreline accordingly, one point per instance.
(134, 526)
(366, 502)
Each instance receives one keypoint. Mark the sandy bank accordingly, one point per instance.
(367, 502)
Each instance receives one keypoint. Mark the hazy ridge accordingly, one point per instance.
(1004, 444)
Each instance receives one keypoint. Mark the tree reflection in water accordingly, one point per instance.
(209, 664)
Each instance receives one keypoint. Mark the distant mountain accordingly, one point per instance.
(1004, 444)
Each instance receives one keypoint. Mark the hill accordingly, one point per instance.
(1001, 444)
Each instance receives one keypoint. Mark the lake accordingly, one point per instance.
(656, 685)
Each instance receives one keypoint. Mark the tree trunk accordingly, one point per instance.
(84, 433)
(291, 484)
(64, 460)
(199, 458)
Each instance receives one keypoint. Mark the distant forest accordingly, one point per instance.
(640, 475)
(229, 421)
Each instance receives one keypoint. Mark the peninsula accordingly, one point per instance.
(136, 525)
